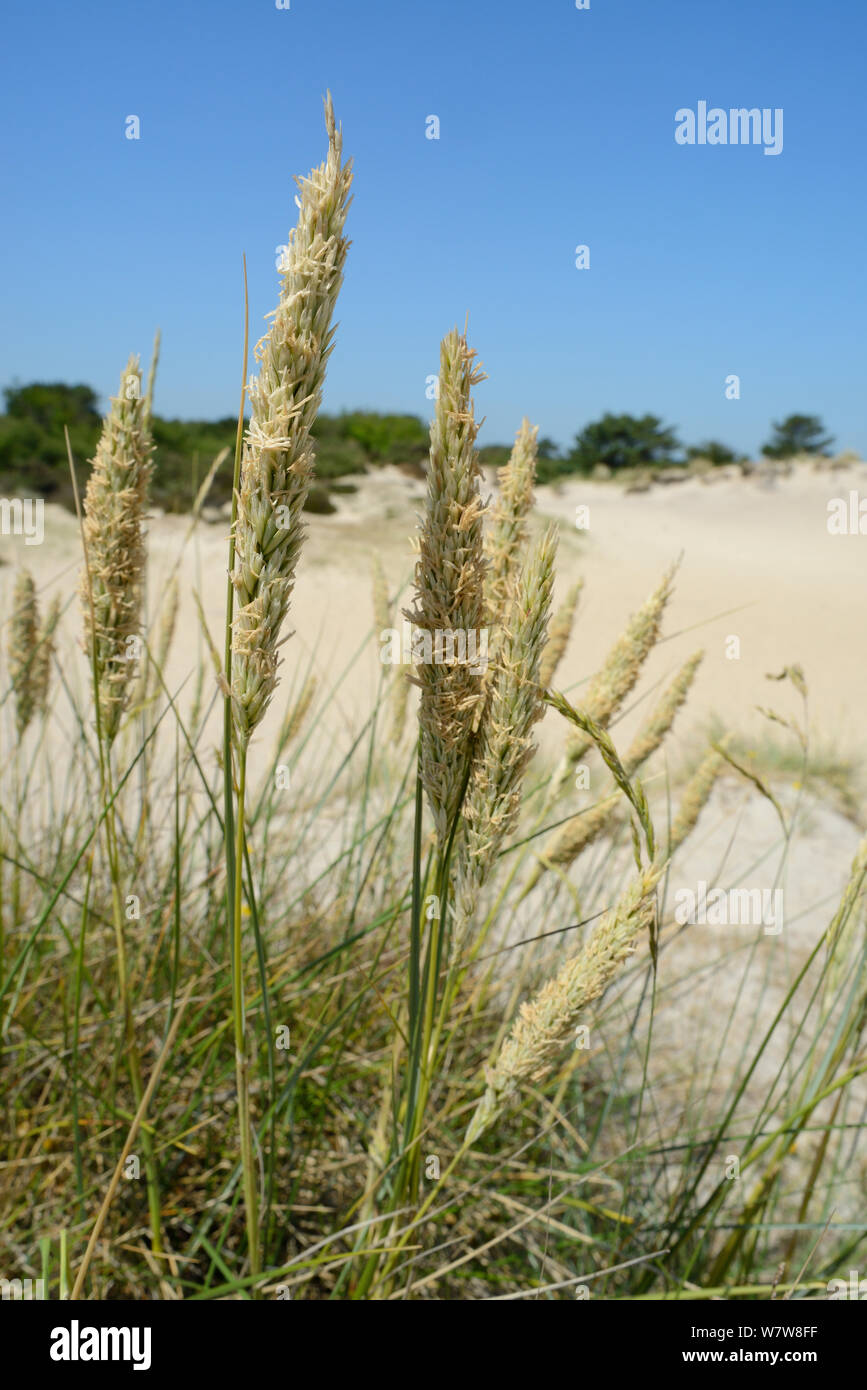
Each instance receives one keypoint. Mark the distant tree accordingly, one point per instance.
(549, 462)
(32, 444)
(797, 434)
(714, 452)
(624, 441)
(385, 438)
(51, 405)
(495, 455)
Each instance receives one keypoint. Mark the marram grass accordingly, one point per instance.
(545, 1022)
(620, 671)
(276, 470)
(368, 1087)
(277, 460)
(575, 836)
(450, 583)
(112, 580)
(492, 803)
(22, 648)
(558, 635)
(507, 533)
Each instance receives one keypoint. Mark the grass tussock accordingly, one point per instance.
(370, 1013)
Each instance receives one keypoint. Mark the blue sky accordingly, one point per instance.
(556, 129)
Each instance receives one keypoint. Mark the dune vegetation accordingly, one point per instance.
(289, 1017)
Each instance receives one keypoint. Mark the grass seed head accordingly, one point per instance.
(558, 635)
(544, 1023)
(652, 733)
(695, 797)
(622, 667)
(112, 581)
(508, 532)
(450, 582)
(45, 648)
(23, 651)
(381, 604)
(505, 746)
(572, 838)
(277, 459)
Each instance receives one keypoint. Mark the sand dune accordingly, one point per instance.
(758, 565)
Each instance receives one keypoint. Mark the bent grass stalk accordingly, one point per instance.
(574, 837)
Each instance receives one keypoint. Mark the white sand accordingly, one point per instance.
(758, 564)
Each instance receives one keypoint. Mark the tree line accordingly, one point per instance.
(33, 457)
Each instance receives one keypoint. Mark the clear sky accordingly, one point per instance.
(557, 128)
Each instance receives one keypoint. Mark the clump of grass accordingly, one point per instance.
(430, 1010)
(449, 598)
(475, 736)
